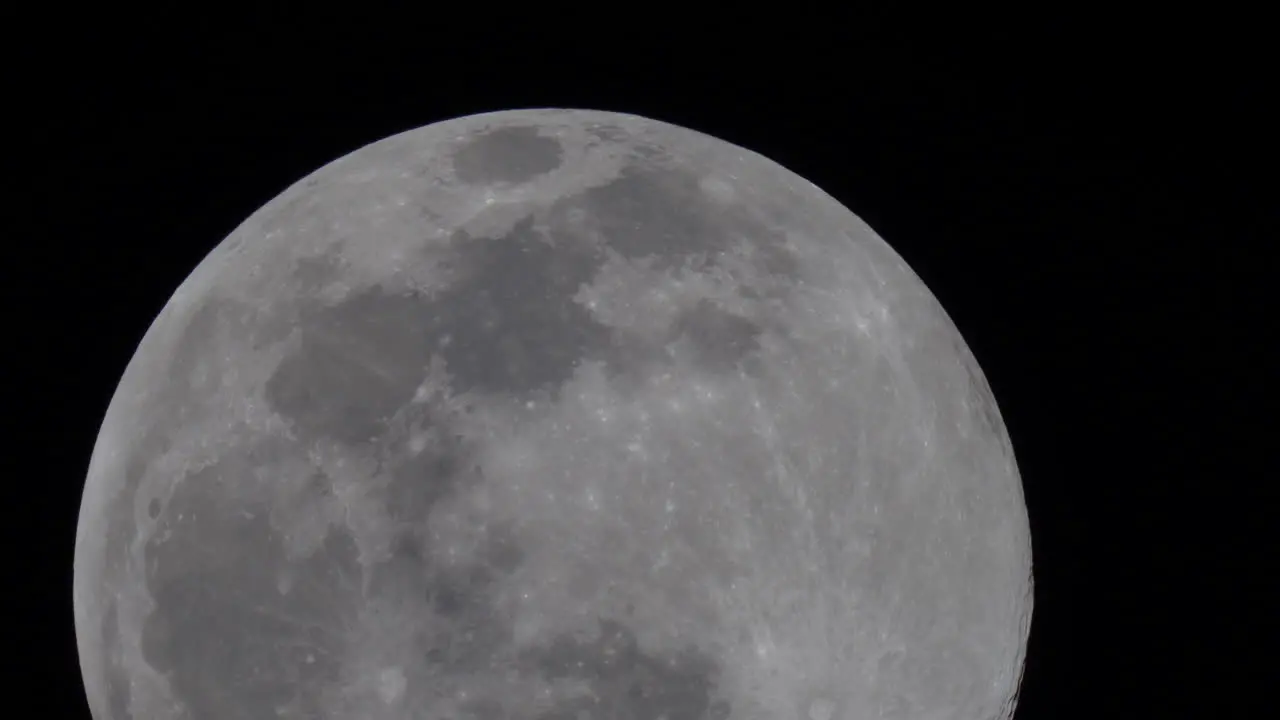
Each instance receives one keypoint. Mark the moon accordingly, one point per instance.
(552, 415)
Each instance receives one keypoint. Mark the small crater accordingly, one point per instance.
(507, 155)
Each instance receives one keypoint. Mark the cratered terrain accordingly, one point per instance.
(552, 415)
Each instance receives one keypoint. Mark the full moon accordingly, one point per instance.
(552, 415)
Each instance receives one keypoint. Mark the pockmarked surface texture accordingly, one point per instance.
(552, 415)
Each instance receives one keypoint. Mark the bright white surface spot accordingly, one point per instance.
(717, 189)
(391, 684)
(417, 443)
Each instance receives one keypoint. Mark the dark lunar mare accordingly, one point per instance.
(720, 340)
(660, 212)
(231, 644)
(244, 629)
(627, 682)
(175, 400)
(508, 326)
(506, 155)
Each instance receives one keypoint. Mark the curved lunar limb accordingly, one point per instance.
(552, 414)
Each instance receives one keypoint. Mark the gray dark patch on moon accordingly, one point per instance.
(355, 363)
(229, 642)
(507, 155)
(703, 336)
(652, 211)
(720, 340)
(774, 259)
(648, 213)
(420, 480)
(628, 683)
(467, 632)
(476, 636)
(508, 327)
(512, 326)
(314, 273)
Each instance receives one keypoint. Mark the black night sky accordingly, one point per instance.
(1089, 214)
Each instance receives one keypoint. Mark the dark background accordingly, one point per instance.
(1087, 208)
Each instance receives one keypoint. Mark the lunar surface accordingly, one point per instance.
(552, 415)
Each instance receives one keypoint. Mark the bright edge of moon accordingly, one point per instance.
(552, 414)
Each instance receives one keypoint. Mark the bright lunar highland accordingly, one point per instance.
(552, 415)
